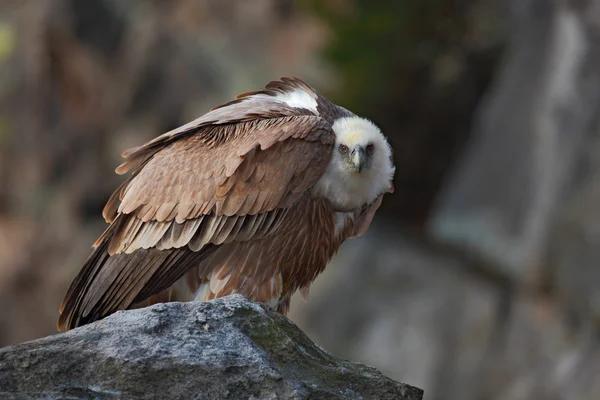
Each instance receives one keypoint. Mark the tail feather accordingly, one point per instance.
(108, 283)
(74, 296)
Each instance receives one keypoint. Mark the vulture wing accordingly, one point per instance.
(229, 176)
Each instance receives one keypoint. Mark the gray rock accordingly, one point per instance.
(225, 349)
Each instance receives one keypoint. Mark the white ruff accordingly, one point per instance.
(297, 99)
(341, 184)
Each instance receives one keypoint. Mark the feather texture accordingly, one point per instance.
(249, 267)
(220, 205)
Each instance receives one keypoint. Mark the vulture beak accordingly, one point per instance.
(358, 158)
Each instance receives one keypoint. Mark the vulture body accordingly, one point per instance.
(254, 197)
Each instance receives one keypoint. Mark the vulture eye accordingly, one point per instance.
(370, 149)
(343, 148)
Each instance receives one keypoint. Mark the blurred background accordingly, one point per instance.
(479, 276)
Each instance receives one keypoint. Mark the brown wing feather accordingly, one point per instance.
(189, 196)
(185, 176)
(125, 280)
(261, 269)
(246, 107)
(182, 184)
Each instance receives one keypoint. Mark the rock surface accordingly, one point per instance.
(228, 348)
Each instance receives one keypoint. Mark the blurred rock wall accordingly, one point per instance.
(498, 299)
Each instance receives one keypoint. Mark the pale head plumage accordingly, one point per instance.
(361, 167)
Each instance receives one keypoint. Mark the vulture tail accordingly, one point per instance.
(108, 283)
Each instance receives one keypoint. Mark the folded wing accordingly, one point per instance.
(193, 190)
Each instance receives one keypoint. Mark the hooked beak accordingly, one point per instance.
(358, 159)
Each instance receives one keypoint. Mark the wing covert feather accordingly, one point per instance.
(261, 156)
(262, 166)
